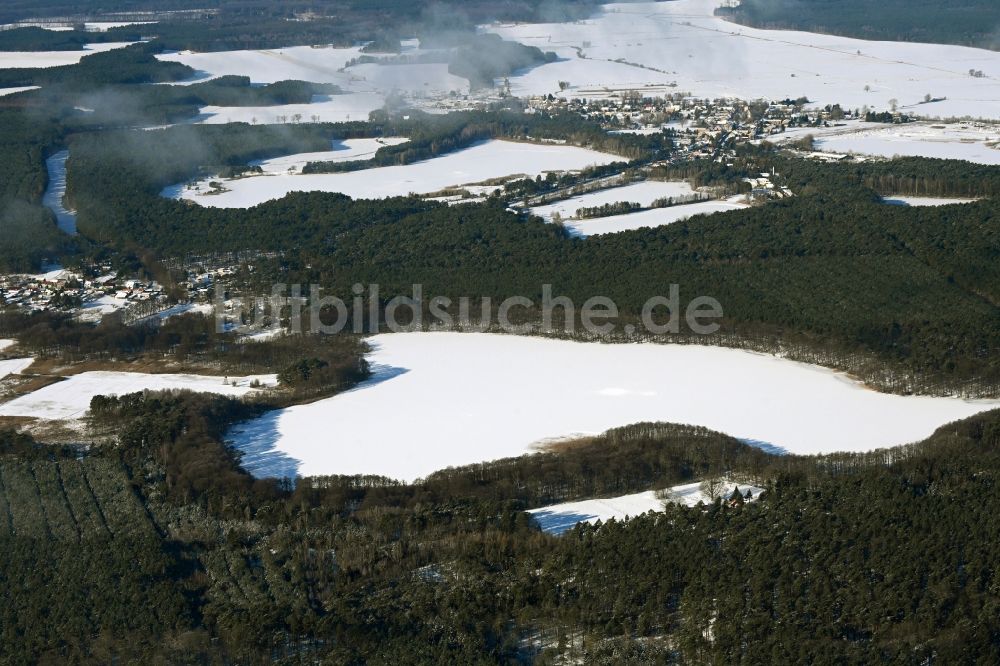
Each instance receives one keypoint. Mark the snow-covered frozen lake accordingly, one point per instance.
(70, 398)
(56, 190)
(444, 399)
(632, 45)
(487, 160)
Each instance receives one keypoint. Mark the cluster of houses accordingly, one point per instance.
(700, 128)
(61, 289)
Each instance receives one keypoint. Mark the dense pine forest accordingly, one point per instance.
(233, 24)
(965, 22)
(155, 546)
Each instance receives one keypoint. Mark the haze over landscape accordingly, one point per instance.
(485, 332)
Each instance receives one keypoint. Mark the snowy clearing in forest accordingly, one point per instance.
(10, 91)
(348, 150)
(923, 201)
(445, 399)
(560, 518)
(70, 398)
(323, 108)
(635, 45)
(643, 193)
(656, 217)
(41, 59)
(484, 161)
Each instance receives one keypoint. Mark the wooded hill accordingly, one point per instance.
(154, 546)
(965, 22)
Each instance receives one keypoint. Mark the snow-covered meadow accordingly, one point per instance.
(444, 399)
(13, 366)
(348, 150)
(656, 217)
(643, 193)
(365, 86)
(923, 201)
(11, 91)
(952, 141)
(37, 59)
(70, 398)
(484, 161)
(632, 45)
(560, 518)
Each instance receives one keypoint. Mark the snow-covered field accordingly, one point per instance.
(7, 344)
(490, 159)
(70, 398)
(957, 142)
(365, 86)
(9, 59)
(323, 108)
(643, 193)
(923, 201)
(560, 518)
(656, 217)
(682, 42)
(14, 366)
(10, 91)
(442, 399)
(348, 150)
(304, 63)
(91, 26)
(971, 141)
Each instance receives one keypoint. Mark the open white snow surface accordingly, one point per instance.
(953, 141)
(348, 150)
(656, 217)
(10, 91)
(487, 160)
(445, 399)
(643, 193)
(973, 141)
(70, 398)
(365, 86)
(41, 59)
(560, 518)
(682, 43)
(14, 366)
(323, 108)
(923, 201)
(7, 344)
(91, 26)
